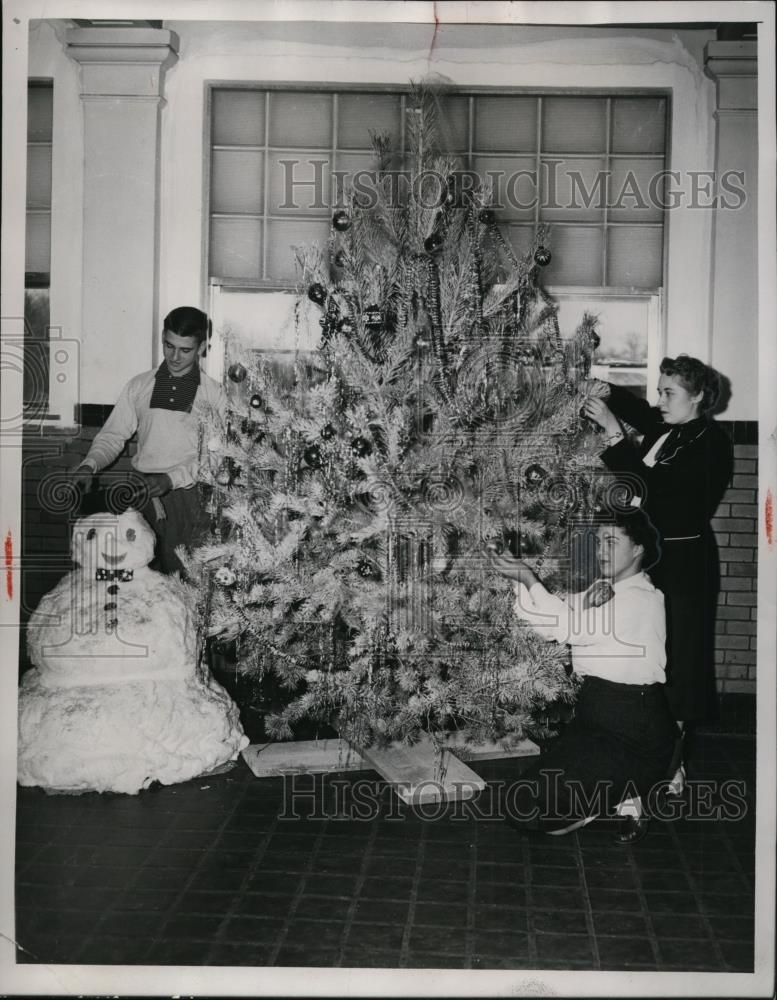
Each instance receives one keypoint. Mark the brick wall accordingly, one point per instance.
(736, 530)
(46, 535)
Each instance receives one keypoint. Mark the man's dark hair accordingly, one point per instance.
(187, 321)
(637, 526)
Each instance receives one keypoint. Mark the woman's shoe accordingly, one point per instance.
(632, 830)
(677, 785)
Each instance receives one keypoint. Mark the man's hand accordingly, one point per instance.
(513, 569)
(81, 477)
(156, 483)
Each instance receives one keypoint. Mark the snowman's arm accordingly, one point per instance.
(117, 430)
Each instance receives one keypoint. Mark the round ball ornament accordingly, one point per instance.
(361, 447)
(225, 577)
(256, 402)
(367, 570)
(328, 432)
(535, 474)
(542, 256)
(433, 243)
(495, 545)
(345, 326)
(317, 293)
(224, 476)
(341, 259)
(237, 372)
(341, 221)
(487, 216)
(312, 456)
(595, 339)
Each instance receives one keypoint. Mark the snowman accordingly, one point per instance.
(118, 698)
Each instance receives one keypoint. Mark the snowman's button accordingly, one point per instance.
(110, 606)
(113, 588)
(113, 621)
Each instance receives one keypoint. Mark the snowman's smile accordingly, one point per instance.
(113, 560)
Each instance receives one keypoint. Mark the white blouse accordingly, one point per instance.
(623, 640)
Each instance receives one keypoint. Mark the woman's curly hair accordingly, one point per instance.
(695, 377)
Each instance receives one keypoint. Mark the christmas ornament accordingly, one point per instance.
(224, 476)
(317, 293)
(345, 326)
(250, 428)
(341, 221)
(373, 317)
(256, 402)
(368, 570)
(542, 256)
(361, 447)
(495, 545)
(225, 577)
(595, 339)
(341, 259)
(312, 455)
(433, 243)
(327, 432)
(487, 216)
(535, 474)
(237, 372)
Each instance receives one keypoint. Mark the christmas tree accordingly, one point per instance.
(351, 509)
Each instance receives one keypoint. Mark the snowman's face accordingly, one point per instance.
(110, 541)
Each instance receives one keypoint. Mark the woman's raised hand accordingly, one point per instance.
(597, 410)
(512, 568)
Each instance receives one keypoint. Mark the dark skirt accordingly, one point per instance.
(689, 576)
(619, 744)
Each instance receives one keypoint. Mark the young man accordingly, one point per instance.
(622, 737)
(166, 407)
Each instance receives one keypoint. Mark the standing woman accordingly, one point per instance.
(681, 469)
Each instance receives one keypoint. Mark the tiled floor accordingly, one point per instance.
(210, 873)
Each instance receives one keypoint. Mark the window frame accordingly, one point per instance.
(470, 92)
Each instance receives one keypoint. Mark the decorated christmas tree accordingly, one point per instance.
(352, 508)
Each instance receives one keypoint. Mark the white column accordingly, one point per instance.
(734, 347)
(122, 78)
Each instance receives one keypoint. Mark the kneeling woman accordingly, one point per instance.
(620, 742)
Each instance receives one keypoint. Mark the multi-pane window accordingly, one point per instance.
(37, 252)
(590, 165)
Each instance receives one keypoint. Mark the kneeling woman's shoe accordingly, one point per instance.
(632, 830)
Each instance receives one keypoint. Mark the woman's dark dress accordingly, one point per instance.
(680, 493)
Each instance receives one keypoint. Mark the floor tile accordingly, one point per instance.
(737, 955)
(438, 939)
(380, 911)
(232, 953)
(559, 921)
(358, 958)
(391, 887)
(562, 946)
(380, 937)
(501, 917)
(429, 960)
(114, 950)
(620, 924)
(625, 951)
(689, 954)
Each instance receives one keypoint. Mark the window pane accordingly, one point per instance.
(300, 120)
(238, 118)
(506, 123)
(39, 176)
(36, 350)
(236, 248)
(299, 182)
(573, 125)
(38, 243)
(634, 256)
(638, 125)
(453, 123)
(362, 166)
(577, 257)
(40, 107)
(359, 114)
(513, 182)
(237, 181)
(634, 195)
(573, 190)
(283, 236)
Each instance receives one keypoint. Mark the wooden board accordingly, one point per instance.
(490, 750)
(268, 760)
(420, 774)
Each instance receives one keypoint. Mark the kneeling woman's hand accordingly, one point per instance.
(512, 568)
